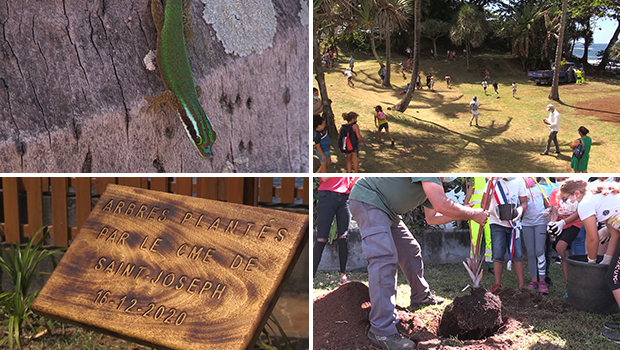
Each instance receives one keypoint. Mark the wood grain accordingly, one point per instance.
(174, 272)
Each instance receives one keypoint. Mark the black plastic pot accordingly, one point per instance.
(587, 288)
(506, 211)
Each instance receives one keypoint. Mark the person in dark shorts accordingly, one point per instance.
(382, 123)
(321, 143)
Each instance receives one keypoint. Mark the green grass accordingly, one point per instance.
(567, 329)
(433, 134)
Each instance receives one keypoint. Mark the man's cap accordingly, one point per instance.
(550, 106)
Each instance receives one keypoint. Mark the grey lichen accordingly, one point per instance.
(243, 27)
(303, 13)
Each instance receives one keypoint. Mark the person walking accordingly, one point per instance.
(349, 75)
(351, 135)
(580, 165)
(382, 123)
(376, 204)
(473, 109)
(554, 127)
(333, 201)
(484, 86)
(495, 87)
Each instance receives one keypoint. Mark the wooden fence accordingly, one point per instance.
(18, 225)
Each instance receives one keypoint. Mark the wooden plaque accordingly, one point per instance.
(171, 271)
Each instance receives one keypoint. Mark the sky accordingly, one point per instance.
(605, 29)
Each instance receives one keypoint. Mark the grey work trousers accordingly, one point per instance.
(387, 244)
(553, 136)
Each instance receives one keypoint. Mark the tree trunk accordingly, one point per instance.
(467, 47)
(373, 47)
(555, 93)
(587, 41)
(73, 82)
(434, 48)
(319, 75)
(404, 103)
(388, 57)
(605, 58)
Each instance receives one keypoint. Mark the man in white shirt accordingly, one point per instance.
(554, 126)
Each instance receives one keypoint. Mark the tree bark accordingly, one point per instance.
(73, 82)
(612, 41)
(373, 47)
(319, 75)
(555, 93)
(388, 57)
(467, 48)
(404, 103)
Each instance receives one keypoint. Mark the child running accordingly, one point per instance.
(351, 131)
(347, 72)
(484, 86)
(495, 87)
(514, 89)
(321, 143)
(382, 123)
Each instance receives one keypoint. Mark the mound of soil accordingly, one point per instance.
(341, 320)
(474, 316)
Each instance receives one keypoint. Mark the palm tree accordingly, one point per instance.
(552, 26)
(366, 11)
(404, 103)
(521, 23)
(555, 93)
(469, 28)
(390, 15)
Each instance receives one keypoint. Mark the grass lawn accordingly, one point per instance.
(433, 134)
(568, 329)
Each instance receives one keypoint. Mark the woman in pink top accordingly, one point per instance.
(333, 200)
(564, 224)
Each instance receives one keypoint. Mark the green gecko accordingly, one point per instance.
(181, 92)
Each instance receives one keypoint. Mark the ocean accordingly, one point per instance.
(592, 51)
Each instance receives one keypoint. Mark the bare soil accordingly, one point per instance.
(605, 109)
(341, 320)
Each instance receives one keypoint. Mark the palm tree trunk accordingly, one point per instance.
(404, 103)
(555, 93)
(605, 58)
(388, 56)
(319, 75)
(373, 47)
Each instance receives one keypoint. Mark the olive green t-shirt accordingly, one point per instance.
(394, 195)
